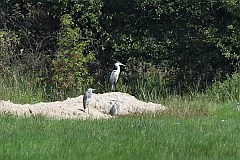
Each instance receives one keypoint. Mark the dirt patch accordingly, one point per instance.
(72, 108)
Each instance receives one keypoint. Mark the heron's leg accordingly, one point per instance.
(113, 87)
(87, 102)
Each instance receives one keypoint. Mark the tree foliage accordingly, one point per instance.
(35, 27)
(196, 40)
(69, 66)
(192, 41)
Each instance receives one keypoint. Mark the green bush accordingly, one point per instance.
(8, 53)
(70, 66)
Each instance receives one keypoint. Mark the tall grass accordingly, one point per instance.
(147, 87)
(121, 138)
(20, 89)
(29, 89)
(228, 90)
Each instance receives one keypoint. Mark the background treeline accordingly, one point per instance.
(68, 45)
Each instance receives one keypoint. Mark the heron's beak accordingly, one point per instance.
(122, 64)
(94, 89)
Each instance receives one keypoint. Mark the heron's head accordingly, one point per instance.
(119, 64)
(117, 102)
(90, 90)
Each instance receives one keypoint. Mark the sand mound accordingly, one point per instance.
(99, 107)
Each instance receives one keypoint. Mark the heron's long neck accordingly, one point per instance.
(118, 68)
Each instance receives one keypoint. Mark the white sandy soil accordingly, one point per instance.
(72, 108)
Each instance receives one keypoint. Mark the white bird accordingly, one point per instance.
(114, 75)
(115, 108)
(86, 97)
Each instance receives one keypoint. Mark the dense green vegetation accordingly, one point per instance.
(72, 45)
(122, 138)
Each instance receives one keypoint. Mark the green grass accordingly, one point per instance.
(195, 126)
(143, 137)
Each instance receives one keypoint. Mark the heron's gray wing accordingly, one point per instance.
(85, 97)
(113, 77)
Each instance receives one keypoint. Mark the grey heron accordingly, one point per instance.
(114, 75)
(115, 108)
(87, 95)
